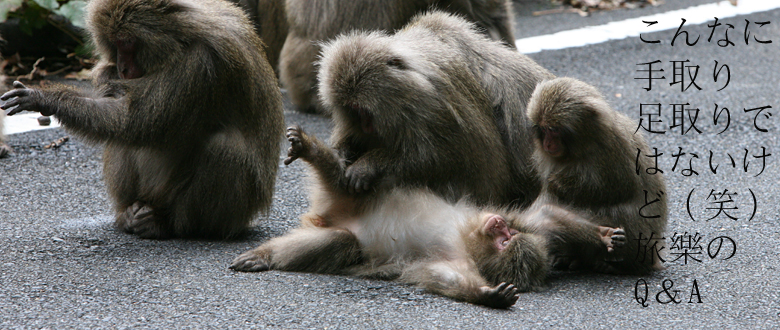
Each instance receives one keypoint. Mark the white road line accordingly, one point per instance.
(634, 26)
(565, 39)
(25, 122)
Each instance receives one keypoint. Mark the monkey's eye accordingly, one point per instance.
(396, 62)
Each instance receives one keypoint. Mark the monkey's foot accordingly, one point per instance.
(140, 220)
(4, 150)
(360, 177)
(299, 144)
(613, 238)
(503, 295)
(251, 261)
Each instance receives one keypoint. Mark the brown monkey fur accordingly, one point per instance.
(413, 236)
(5, 149)
(190, 115)
(435, 105)
(586, 155)
(270, 21)
(314, 21)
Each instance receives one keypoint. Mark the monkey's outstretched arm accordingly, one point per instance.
(70, 106)
(460, 280)
(567, 230)
(324, 159)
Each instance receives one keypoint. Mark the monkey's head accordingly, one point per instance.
(138, 36)
(504, 254)
(566, 114)
(372, 83)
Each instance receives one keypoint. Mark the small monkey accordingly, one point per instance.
(190, 115)
(586, 153)
(314, 21)
(416, 237)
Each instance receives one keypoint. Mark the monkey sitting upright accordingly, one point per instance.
(191, 115)
(416, 237)
(586, 154)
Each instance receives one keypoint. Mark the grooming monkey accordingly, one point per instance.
(586, 154)
(436, 104)
(190, 115)
(416, 237)
(314, 21)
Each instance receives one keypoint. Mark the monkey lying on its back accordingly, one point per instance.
(414, 236)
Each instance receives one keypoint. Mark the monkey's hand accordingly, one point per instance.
(360, 176)
(251, 261)
(300, 145)
(613, 238)
(503, 295)
(24, 98)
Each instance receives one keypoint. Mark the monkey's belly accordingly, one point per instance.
(409, 225)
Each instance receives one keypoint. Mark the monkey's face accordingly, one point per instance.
(368, 83)
(506, 255)
(138, 36)
(495, 228)
(550, 139)
(126, 47)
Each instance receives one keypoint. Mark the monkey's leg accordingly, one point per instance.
(313, 250)
(574, 239)
(132, 215)
(297, 72)
(460, 280)
(220, 190)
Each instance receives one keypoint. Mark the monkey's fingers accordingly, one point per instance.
(291, 156)
(507, 289)
(249, 262)
(20, 100)
(503, 295)
(619, 237)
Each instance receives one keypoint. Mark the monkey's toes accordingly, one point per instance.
(619, 237)
(4, 150)
(503, 295)
(250, 262)
(140, 220)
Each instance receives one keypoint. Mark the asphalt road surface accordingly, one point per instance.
(63, 265)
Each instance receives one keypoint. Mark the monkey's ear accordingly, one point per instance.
(396, 62)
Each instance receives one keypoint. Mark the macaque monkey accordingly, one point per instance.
(188, 110)
(435, 104)
(314, 21)
(414, 236)
(586, 154)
